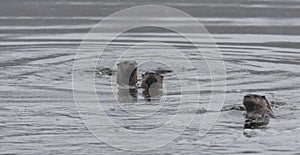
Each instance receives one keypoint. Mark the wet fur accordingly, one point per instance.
(151, 77)
(127, 73)
(258, 111)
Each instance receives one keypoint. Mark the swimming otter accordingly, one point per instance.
(153, 79)
(127, 73)
(258, 111)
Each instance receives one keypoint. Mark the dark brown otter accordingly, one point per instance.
(127, 73)
(258, 111)
(152, 79)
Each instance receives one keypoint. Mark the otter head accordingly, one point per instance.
(258, 110)
(254, 103)
(127, 73)
(153, 79)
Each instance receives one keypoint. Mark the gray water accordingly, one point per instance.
(259, 42)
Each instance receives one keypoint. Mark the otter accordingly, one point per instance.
(153, 79)
(258, 111)
(152, 82)
(127, 73)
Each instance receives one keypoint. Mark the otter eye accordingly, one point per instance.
(161, 76)
(263, 96)
(247, 96)
(143, 75)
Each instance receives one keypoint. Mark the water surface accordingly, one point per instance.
(259, 41)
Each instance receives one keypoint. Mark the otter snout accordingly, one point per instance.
(151, 79)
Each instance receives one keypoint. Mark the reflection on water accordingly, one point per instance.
(127, 95)
(152, 94)
(259, 41)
